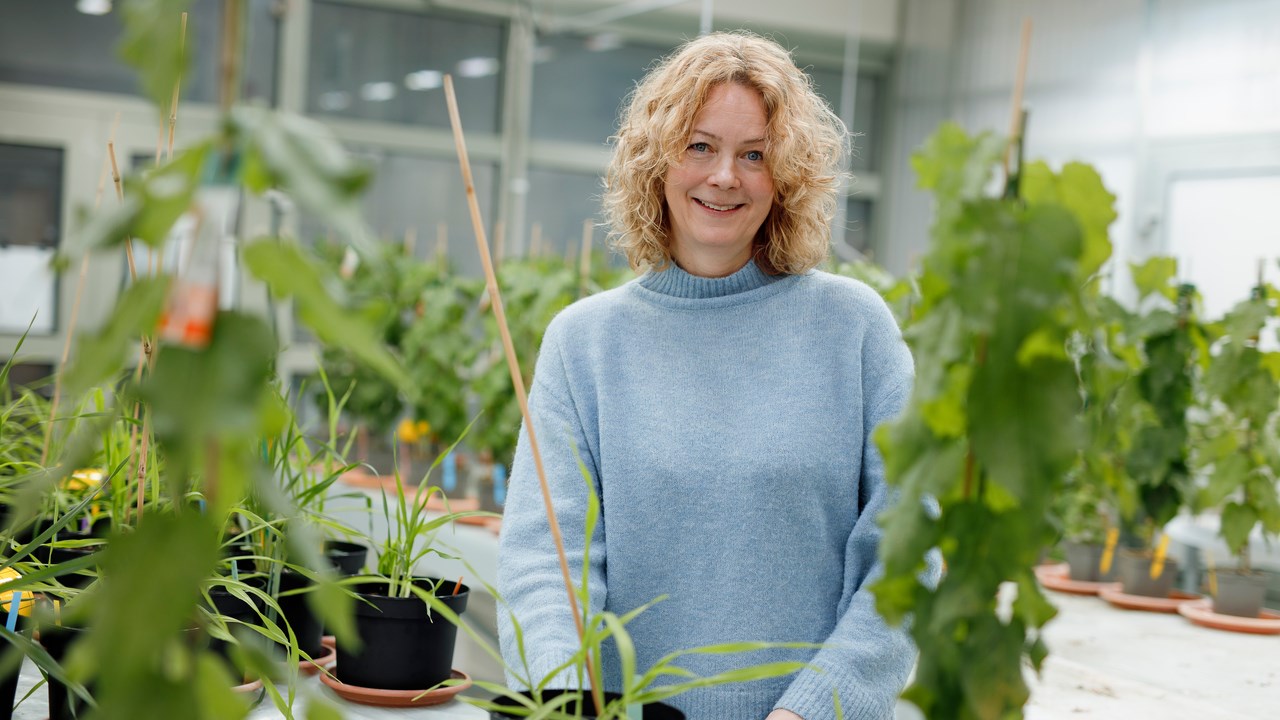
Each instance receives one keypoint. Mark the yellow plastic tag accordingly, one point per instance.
(1109, 551)
(83, 479)
(24, 605)
(1157, 563)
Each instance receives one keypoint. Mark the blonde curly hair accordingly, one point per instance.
(804, 150)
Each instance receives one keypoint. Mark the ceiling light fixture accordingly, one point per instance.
(478, 67)
(424, 80)
(377, 91)
(94, 7)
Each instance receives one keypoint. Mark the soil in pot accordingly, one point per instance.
(63, 704)
(347, 558)
(406, 647)
(1239, 593)
(652, 711)
(1085, 562)
(1135, 574)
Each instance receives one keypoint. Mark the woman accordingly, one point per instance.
(723, 404)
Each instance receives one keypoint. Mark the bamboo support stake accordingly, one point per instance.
(115, 176)
(442, 245)
(75, 304)
(410, 241)
(1019, 84)
(535, 240)
(584, 258)
(499, 242)
(517, 379)
(177, 86)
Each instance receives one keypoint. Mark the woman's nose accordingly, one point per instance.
(723, 175)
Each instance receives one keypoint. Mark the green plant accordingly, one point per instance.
(901, 294)
(410, 533)
(1240, 443)
(533, 290)
(1174, 348)
(206, 402)
(991, 428)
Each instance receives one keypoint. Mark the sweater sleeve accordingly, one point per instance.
(530, 581)
(864, 660)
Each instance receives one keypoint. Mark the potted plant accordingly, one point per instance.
(404, 644)
(1239, 445)
(1157, 476)
(992, 427)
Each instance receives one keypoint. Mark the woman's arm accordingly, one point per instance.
(530, 580)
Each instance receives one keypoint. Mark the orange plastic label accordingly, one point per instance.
(188, 319)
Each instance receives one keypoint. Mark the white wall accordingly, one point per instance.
(1149, 91)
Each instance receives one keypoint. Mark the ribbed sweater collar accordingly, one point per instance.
(674, 282)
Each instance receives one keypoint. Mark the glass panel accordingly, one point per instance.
(865, 111)
(388, 65)
(413, 193)
(35, 376)
(84, 56)
(30, 228)
(558, 203)
(857, 224)
(579, 84)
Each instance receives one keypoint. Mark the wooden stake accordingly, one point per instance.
(75, 304)
(1019, 83)
(410, 241)
(517, 379)
(177, 85)
(535, 240)
(499, 242)
(442, 244)
(115, 176)
(584, 259)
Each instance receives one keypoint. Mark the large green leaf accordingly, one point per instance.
(289, 273)
(101, 355)
(303, 159)
(152, 43)
(1155, 277)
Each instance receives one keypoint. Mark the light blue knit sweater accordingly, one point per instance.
(727, 425)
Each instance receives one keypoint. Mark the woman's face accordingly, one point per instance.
(720, 192)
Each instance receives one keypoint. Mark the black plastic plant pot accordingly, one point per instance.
(652, 711)
(1240, 594)
(63, 704)
(1135, 575)
(297, 613)
(346, 557)
(9, 681)
(226, 604)
(1085, 561)
(406, 646)
(80, 579)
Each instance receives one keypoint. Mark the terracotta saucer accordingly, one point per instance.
(1201, 612)
(318, 663)
(397, 698)
(1058, 578)
(1120, 599)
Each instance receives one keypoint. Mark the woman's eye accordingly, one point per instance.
(755, 156)
(700, 147)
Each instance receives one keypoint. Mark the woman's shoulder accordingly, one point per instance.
(587, 315)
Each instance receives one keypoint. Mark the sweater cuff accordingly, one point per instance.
(540, 667)
(811, 696)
